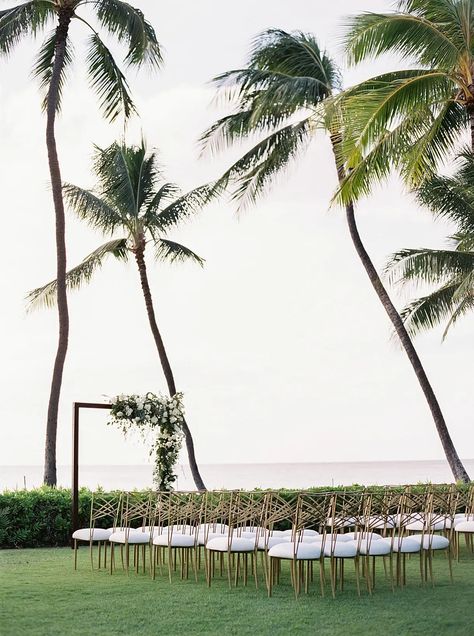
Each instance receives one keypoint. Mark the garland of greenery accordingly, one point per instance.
(157, 414)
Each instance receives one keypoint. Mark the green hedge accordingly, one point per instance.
(39, 518)
(42, 517)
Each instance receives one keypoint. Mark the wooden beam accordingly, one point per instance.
(76, 406)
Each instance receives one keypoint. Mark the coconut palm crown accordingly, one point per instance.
(410, 119)
(278, 101)
(132, 200)
(451, 271)
(117, 18)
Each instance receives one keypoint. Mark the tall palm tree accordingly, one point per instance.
(55, 56)
(450, 270)
(412, 119)
(283, 96)
(129, 198)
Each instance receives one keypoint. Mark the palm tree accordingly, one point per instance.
(129, 198)
(283, 96)
(129, 26)
(409, 120)
(450, 270)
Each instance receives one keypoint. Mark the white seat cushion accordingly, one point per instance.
(419, 526)
(130, 536)
(372, 548)
(301, 551)
(307, 532)
(340, 522)
(341, 549)
(204, 537)
(175, 540)
(245, 534)
(332, 537)
(430, 541)
(270, 542)
(464, 526)
(236, 544)
(218, 528)
(354, 536)
(92, 534)
(403, 544)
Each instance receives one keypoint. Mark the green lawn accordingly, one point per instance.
(41, 594)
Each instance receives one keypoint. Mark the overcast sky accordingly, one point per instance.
(279, 344)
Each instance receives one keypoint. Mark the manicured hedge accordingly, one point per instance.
(39, 518)
(42, 517)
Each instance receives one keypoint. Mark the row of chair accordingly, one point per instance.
(227, 530)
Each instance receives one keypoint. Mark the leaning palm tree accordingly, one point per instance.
(286, 93)
(451, 271)
(409, 120)
(55, 56)
(129, 199)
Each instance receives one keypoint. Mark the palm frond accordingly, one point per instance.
(108, 81)
(429, 311)
(129, 25)
(451, 198)
(179, 210)
(118, 168)
(385, 156)
(440, 137)
(24, 19)
(43, 67)
(380, 104)
(258, 167)
(421, 266)
(167, 193)
(92, 209)
(46, 296)
(429, 42)
(296, 54)
(172, 252)
(466, 305)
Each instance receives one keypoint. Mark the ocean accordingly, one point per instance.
(245, 476)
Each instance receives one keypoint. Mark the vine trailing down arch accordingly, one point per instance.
(163, 417)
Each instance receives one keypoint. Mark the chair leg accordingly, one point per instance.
(332, 572)
(269, 579)
(112, 555)
(75, 554)
(322, 577)
(253, 564)
(229, 569)
(357, 574)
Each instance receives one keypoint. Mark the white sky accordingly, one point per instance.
(279, 344)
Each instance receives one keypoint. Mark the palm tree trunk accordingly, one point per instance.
(55, 173)
(454, 462)
(165, 364)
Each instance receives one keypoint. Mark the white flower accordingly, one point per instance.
(119, 414)
(154, 420)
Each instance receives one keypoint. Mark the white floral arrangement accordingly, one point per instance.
(160, 415)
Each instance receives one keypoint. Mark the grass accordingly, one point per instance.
(41, 594)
